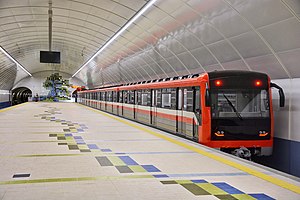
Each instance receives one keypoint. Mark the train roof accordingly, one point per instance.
(233, 73)
(184, 81)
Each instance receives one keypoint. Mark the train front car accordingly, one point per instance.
(241, 112)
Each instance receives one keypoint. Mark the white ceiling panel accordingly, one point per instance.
(283, 35)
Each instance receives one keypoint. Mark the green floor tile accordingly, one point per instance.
(52, 135)
(183, 181)
(103, 161)
(243, 197)
(225, 197)
(116, 161)
(85, 150)
(137, 168)
(124, 169)
(69, 138)
(193, 188)
(82, 146)
(168, 182)
(211, 189)
(73, 147)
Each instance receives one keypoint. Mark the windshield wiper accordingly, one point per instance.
(234, 109)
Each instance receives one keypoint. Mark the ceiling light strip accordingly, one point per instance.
(146, 7)
(16, 62)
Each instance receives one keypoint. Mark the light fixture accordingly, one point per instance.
(16, 62)
(146, 7)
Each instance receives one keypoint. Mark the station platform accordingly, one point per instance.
(70, 151)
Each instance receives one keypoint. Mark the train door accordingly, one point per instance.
(153, 108)
(134, 103)
(180, 111)
(105, 100)
(121, 101)
(186, 114)
(197, 112)
(117, 102)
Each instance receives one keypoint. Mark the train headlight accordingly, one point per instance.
(263, 133)
(219, 133)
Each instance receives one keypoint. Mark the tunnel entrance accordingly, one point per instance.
(74, 95)
(20, 95)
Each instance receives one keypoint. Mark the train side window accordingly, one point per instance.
(145, 97)
(173, 98)
(166, 98)
(149, 97)
(131, 97)
(158, 98)
(115, 96)
(197, 101)
(120, 96)
(180, 99)
(139, 97)
(103, 96)
(125, 96)
(153, 98)
(188, 99)
(107, 96)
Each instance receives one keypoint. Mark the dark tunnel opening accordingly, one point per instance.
(20, 95)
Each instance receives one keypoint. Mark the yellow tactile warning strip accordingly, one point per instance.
(241, 167)
(11, 107)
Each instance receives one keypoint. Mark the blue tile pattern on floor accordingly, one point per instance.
(161, 176)
(127, 160)
(199, 181)
(261, 197)
(106, 150)
(227, 188)
(150, 168)
(92, 146)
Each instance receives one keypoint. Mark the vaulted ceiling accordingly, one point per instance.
(173, 37)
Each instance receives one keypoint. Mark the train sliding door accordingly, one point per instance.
(180, 114)
(185, 113)
(153, 109)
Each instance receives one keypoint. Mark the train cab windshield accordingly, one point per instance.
(240, 103)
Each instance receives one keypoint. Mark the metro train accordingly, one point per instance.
(228, 110)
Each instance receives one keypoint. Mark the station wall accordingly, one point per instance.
(4, 99)
(286, 149)
(35, 83)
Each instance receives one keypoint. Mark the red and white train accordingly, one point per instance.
(222, 109)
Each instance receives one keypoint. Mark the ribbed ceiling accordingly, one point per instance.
(174, 37)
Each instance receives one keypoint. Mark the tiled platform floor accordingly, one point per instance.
(68, 151)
